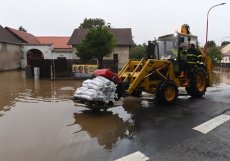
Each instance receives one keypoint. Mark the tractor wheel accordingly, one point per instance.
(167, 92)
(198, 83)
(119, 91)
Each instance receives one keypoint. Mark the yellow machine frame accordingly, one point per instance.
(148, 74)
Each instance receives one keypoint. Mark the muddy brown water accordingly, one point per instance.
(39, 121)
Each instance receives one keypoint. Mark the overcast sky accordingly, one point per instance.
(147, 18)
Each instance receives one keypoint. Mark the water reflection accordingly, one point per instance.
(221, 75)
(132, 105)
(16, 88)
(105, 126)
(10, 85)
(47, 90)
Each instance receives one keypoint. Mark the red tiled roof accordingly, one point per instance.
(24, 37)
(58, 42)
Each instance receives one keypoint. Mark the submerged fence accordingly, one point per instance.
(62, 68)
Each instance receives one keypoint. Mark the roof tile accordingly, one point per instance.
(225, 49)
(24, 37)
(122, 35)
(58, 42)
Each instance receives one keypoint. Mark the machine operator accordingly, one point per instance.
(192, 57)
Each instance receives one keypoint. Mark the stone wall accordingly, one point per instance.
(10, 57)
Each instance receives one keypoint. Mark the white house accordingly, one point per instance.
(42, 47)
(60, 49)
(226, 55)
(123, 43)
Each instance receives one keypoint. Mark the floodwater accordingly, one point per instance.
(39, 121)
(221, 75)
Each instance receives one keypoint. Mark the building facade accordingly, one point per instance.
(225, 55)
(39, 48)
(123, 38)
(10, 51)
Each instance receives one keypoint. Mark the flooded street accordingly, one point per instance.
(39, 122)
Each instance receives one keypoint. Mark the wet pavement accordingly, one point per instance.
(39, 122)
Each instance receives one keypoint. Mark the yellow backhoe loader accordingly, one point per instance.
(160, 75)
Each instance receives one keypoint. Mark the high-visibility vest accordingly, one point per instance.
(199, 59)
(191, 58)
(194, 57)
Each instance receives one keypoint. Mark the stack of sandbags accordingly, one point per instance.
(97, 89)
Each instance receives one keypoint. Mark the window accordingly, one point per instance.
(168, 47)
(115, 57)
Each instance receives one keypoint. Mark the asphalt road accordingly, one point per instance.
(166, 133)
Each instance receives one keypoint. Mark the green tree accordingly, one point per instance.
(211, 44)
(84, 52)
(22, 29)
(92, 23)
(214, 52)
(137, 52)
(99, 42)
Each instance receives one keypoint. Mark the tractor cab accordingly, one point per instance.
(172, 46)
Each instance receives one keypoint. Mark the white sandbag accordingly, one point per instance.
(86, 82)
(93, 90)
(81, 90)
(103, 79)
(97, 83)
(90, 93)
(85, 97)
(93, 86)
(86, 91)
(97, 89)
(102, 99)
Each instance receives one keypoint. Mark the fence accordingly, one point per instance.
(62, 68)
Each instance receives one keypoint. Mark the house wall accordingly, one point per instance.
(225, 59)
(225, 53)
(123, 55)
(45, 49)
(48, 53)
(69, 55)
(10, 56)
